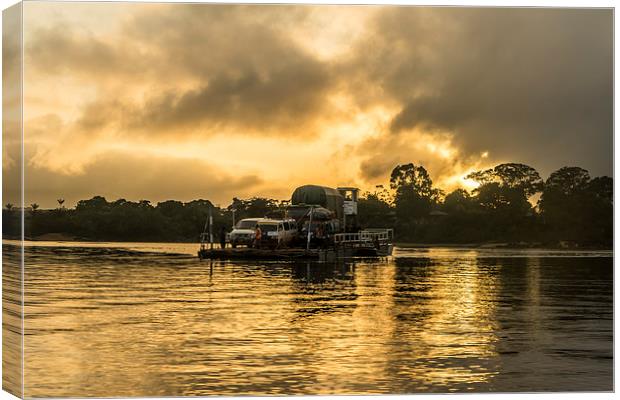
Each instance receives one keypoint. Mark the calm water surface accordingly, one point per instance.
(153, 320)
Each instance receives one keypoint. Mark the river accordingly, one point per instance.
(149, 319)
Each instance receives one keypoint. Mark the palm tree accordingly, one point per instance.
(61, 201)
(34, 207)
(9, 206)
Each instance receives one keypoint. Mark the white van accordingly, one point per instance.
(277, 232)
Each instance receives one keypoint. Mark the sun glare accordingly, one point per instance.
(469, 184)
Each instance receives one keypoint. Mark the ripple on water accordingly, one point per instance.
(108, 321)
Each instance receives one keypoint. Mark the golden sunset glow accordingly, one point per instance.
(185, 101)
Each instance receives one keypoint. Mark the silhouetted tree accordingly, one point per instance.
(374, 211)
(562, 198)
(11, 224)
(409, 177)
(567, 180)
(511, 175)
(503, 199)
(414, 197)
(96, 203)
(602, 187)
(170, 208)
(576, 208)
(458, 201)
(253, 207)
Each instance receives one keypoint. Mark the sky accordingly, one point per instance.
(187, 101)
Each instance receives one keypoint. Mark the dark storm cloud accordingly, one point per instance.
(58, 50)
(243, 72)
(286, 97)
(532, 85)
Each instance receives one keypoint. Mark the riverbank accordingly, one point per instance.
(485, 245)
(519, 245)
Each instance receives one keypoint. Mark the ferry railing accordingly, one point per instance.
(367, 235)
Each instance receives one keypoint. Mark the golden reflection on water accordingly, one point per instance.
(115, 322)
(12, 321)
(460, 324)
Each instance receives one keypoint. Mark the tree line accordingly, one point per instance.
(572, 208)
(121, 220)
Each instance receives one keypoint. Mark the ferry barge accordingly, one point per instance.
(374, 243)
(327, 230)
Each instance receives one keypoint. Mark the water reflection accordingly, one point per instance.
(115, 322)
(11, 321)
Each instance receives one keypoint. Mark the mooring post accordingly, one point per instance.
(203, 235)
(211, 228)
(309, 229)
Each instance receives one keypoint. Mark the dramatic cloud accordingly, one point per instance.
(187, 67)
(436, 152)
(531, 85)
(292, 94)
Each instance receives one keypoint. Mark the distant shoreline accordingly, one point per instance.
(508, 246)
(488, 245)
